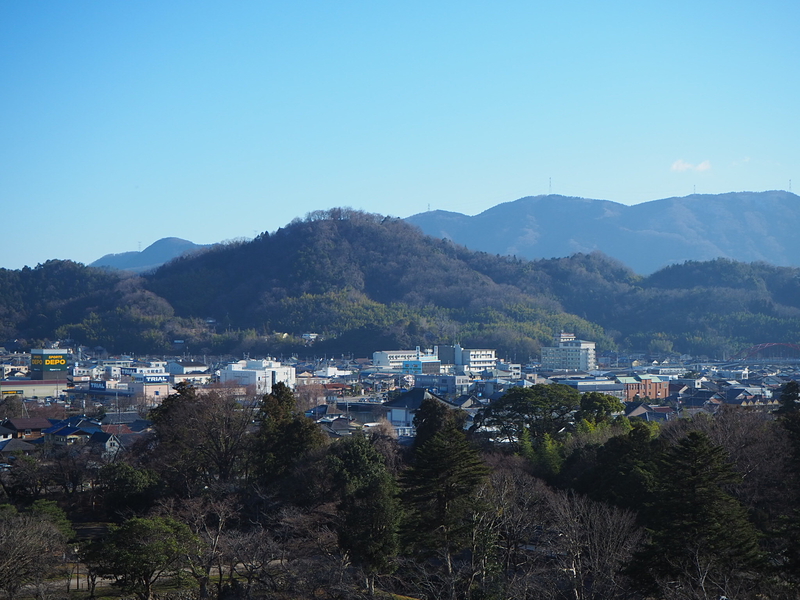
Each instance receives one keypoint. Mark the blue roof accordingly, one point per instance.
(77, 423)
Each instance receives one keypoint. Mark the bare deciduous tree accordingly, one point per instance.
(32, 549)
(591, 543)
(202, 438)
(309, 395)
(208, 519)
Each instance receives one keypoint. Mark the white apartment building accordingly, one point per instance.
(394, 359)
(261, 374)
(329, 371)
(569, 354)
(468, 359)
(151, 372)
(186, 367)
(478, 359)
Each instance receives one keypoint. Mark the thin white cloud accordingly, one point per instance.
(681, 165)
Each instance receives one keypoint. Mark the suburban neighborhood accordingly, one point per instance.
(359, 389)
(117, 449)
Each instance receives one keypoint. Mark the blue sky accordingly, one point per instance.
(125, 122)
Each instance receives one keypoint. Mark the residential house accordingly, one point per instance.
(750, 397)
(27, 428)
(649, 412)
(130, 418)
(402, 409)
(67, 432)
(443, 384)
(14, 447)
(107, 445)
(338, 426)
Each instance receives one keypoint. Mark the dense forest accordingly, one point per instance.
(548, 495)
(366, 282)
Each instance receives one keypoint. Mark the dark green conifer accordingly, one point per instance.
(283, 437)
(440, 494)
(623, 472)
(369, 510)
(700, 534)
(790, 398)
(432, 416)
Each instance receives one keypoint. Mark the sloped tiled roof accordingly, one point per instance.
(116, 429)
(16, 445)
(23, 423)
(100, 437)
(140, 425)
(65, 431)
(412, 399)
(77, 423)
(115, 418)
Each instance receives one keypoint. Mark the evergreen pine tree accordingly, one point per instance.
(431, 417)
(369, 510)
(283, 437)
(700, 534)
(623, 473)
(790, 398)
(440, 494)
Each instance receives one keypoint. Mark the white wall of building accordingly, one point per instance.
(394, 359)
(569, 355)
(261, 374)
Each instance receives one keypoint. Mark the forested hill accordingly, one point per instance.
(366, 282)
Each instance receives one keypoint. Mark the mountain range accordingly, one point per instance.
(742, 226)
(149, 259)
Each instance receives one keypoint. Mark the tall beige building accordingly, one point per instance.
(569, 354)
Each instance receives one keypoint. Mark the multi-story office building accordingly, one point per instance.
(394, 359)
(444, 385)
(469, 359)
(261, 374)
(569, 354)
(644, 386)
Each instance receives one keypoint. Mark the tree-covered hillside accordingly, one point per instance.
(343, 272)
(366, 282)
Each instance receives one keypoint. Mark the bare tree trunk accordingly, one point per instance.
(91, 583)
(371, 584)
